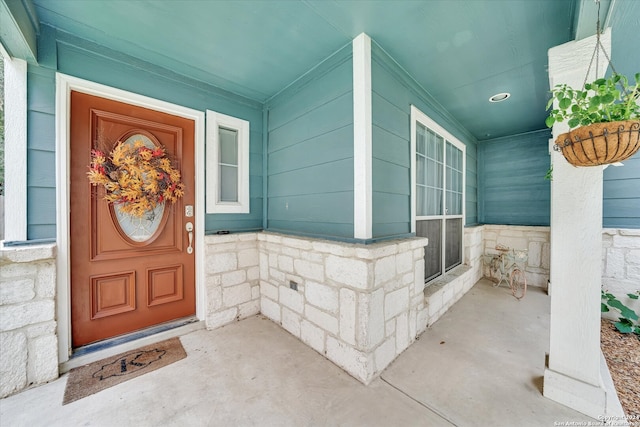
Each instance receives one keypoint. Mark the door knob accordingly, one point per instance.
(189, 228)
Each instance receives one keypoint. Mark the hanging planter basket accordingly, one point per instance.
(600, 143)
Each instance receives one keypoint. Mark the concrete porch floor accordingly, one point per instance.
(481, 364)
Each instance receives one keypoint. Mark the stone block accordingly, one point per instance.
(16, 291)
(273, 260)
(221, 318)
(348, 316)
(615, 264)
(233, 278)
(512, 242)
(371, 321)
(379, 250)
(41, 329)
(356, 363)
(248, 309)
(535, 254)
(276, 275)
(404, 262)
(297, 243)
(214, 298)
(255, 292)
(630, 232)
(19, 315)
(633, 256)
(312, 256)
(270, 309)
(546, 255)
(285, 263)
(253, 273)
(13, 369)
(309, 270)
(390, 328)
(350, 272)
(222, 263)
(413, 317)
(18, 270)
(46, 280)
(248, 258)
(626, 241)
(27, 254)
(325, 321)
(292, 299)
(42, 363)
(402, 332)
(236, 295)
(312, 336)
(322, 296)
(396, 302)
(291, 322)
(421, 320)
(264, 266)
(385, 269)
(338, 249)
(419, 276)
(385, 354)
(291, 252)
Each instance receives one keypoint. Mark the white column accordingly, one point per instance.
(362, 138)
(573, 375)
(15, 144)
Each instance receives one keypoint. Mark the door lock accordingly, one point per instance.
(189, 228)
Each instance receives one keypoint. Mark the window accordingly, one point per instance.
(227, 164)
(438, 181)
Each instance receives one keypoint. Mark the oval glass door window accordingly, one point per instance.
(139, 229)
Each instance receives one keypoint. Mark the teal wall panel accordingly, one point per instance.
(394, 91)
(41, 159)
(310, 152)
(621, 204)
(89, 61)
(512, 189)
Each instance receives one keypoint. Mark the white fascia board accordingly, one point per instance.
(362, 139)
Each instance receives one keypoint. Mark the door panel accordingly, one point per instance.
(127, 273)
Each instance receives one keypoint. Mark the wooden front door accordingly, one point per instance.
(128, 273)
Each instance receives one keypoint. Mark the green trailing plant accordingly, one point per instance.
(628, 320)
(605, 100)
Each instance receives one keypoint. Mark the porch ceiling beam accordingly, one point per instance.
(19, 29)
(586, 16)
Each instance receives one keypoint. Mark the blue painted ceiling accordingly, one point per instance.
(461, 51)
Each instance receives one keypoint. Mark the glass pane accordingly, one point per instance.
(228, 183)
(433, 251)
(453, 239)
(439, 148)
(228, 146)
(139, 229)
(420, 169)
(420, 139)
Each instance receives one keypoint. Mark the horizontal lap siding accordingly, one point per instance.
(392, 97)
(41, 156)
(622, 195)
(310, 154)
(513, 189)
(95, 63)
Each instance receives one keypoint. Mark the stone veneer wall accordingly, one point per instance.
(358, 305)
(28, 340)
(232, 278)
(533, 239)
(621, 265)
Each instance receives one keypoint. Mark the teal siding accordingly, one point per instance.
(621, 204)
(86, 60)
(513, 190)
(310, 152)
(393, 94)
(41, 157)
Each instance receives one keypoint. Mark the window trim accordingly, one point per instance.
(424, 120)
(215, 121)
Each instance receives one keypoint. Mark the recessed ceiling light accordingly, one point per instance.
(499, 97)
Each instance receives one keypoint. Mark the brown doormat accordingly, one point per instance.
(88, 379)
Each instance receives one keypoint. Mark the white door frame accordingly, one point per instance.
(64, 85)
